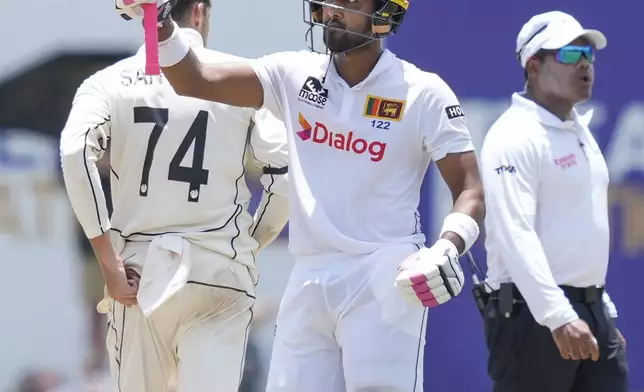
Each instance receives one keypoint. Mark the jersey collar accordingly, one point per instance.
(386, 60)
(194, 38)
(548, 119)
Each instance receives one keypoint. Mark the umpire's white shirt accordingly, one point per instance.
(546, 185)
(177, 163)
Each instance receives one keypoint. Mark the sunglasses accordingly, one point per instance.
(571, 54)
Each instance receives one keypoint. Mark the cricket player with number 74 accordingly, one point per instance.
(177, 252)
(363, 127)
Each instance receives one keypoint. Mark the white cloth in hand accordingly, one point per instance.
(431, 276)
(165, 271)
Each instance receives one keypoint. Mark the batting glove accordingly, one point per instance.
(131, 9)
(431, 276)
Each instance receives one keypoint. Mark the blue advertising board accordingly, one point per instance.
(471, 45)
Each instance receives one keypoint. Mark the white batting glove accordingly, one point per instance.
(431, 276)
(131, 9)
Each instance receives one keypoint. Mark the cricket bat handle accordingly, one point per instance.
(151, 39)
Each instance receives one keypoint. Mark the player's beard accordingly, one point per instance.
(339, 41)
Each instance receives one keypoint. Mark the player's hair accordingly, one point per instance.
(181, 11)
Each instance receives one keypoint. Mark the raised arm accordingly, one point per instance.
(233, 84)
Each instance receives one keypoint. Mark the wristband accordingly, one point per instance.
(173, 49)
(463, 225)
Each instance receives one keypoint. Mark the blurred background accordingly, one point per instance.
(52, 339)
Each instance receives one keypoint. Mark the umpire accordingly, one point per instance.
(549, 321)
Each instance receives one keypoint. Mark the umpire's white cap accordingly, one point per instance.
(553, 30)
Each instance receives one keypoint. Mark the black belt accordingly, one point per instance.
(584, 295)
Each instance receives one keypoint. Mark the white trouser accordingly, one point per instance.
(342, 326)
(194, 341)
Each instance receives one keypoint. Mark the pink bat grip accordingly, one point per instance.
(151, 39)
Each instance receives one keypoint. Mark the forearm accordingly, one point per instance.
(519, 249)
(233, 84)
(470, 202)
(104, 250)
(461, 174)
(184, 75)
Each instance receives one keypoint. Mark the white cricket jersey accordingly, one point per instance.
(177, 163)
(546, 189)
(358, 155)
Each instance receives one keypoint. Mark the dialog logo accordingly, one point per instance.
(305, 133)
(349, 142)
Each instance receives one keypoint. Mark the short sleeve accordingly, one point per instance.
(271, 71)
(442, 122)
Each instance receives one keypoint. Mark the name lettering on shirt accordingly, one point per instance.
(134, 77)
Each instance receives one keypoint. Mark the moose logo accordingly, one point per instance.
(312, 93)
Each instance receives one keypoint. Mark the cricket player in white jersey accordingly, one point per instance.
(363, 127)
(180, 218)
